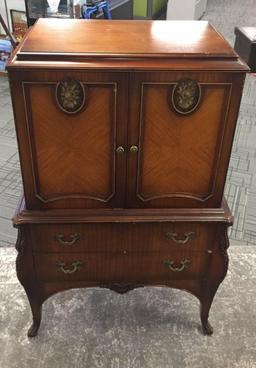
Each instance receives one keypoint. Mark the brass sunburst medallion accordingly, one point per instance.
(186, 96)
(70, 96)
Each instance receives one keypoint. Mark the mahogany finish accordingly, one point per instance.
(124, 38)
(199, 144)
(124, 143)
(120, 237)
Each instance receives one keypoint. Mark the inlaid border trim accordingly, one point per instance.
(192, 196)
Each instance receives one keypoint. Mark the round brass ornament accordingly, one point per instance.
(186, 96)
(70, 96)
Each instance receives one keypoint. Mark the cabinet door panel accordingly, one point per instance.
(178, 161)
(73, 156)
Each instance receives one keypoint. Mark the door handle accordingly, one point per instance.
(120, 150)
(134, 149)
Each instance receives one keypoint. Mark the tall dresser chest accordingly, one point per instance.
(124, 130)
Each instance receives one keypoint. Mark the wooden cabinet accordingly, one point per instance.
(124, 149)
(79, 160)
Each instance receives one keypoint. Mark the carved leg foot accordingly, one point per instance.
(207, 328)
(204, 314)
(32, 331)
(25, 273)
(36, 309)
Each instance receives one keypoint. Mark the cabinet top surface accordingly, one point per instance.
(117, 39)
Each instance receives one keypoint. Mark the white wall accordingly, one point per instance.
(185, 9)
(11, 4)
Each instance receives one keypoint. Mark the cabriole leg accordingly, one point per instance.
(25, 274)
(36, 309)
(205, 306)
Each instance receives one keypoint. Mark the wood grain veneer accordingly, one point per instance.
(114, 237)
(133, 38)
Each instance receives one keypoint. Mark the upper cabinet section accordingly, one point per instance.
(124, 44)
(123, 114)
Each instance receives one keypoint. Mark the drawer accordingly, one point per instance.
(112, 237)
(139, 267)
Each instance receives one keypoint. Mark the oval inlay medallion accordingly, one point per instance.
(186, 96)
(70, 96)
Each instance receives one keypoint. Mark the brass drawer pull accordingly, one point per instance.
(174, 237)
(74, 238)
(184, 264)
(75, 266)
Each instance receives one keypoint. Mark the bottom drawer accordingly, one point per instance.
(126, 267)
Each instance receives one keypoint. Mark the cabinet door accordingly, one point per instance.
(73, 124)
(182, 124)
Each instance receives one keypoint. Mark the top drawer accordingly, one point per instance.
(132, 237)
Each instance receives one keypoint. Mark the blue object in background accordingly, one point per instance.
(93, 7)
(5, 52)
(5, 45)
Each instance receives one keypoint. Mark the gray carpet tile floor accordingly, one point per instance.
(146, 328)
(10, 178)
(241, 180)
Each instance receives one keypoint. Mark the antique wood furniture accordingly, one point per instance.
(124, 140)
(245, 45)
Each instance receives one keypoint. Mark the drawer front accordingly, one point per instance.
(139, 267)
(136, 237)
